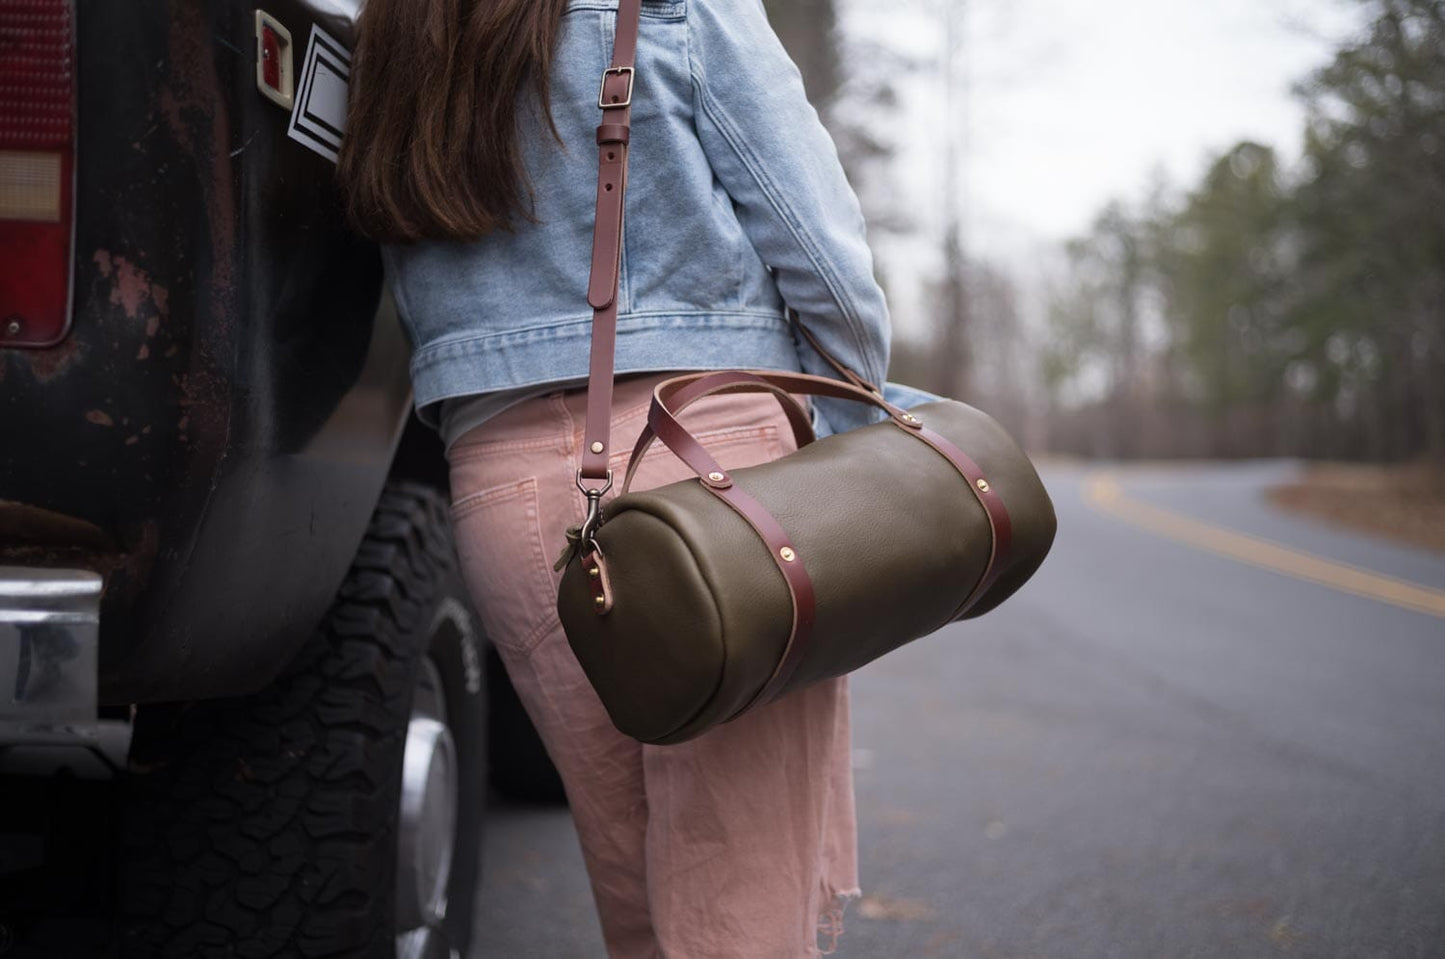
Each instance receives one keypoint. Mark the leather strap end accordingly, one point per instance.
(599, 293)
(596, 569)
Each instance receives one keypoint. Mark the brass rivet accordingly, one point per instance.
(599, 601)
(909, 418)
(983, 485)
(597, 447)
(716, 477)
(594, 572)
(787, 553)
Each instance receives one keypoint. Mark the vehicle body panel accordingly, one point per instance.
(213, 433)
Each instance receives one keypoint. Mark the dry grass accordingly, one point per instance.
(1403, 502)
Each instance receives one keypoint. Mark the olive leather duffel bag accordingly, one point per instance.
(690, 604)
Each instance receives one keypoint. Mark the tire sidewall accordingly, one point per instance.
(455, 647)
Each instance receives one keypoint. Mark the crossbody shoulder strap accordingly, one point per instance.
(615, 100)
(613, 135)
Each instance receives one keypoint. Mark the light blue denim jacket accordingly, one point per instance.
(736, 205)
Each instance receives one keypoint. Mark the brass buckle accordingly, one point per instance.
(602, 90)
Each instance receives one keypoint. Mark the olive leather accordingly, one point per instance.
(682, 614)
(891, 535)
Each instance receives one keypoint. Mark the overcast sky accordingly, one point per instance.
(1070, 103)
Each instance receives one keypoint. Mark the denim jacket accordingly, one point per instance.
(736, 205)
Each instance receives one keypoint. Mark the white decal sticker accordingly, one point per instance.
(320, 113)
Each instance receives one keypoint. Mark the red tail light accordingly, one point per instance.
(37, 162)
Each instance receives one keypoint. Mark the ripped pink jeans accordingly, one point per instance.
(740, 844)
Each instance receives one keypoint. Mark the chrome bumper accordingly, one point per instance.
(49, 655)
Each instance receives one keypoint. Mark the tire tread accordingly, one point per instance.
(263, 826)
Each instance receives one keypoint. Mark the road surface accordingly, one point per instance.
(1205, 729)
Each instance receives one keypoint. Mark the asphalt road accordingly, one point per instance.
(1179, 740)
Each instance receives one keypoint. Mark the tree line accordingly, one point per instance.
(1274, 310)
(1271, 309)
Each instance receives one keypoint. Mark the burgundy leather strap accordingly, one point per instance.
(676, 438)
(733, 381)
(795, 574)
(613, 134)
(998, 518)
(662, 416)
(597, 577)
(802, 383)
(843, 371)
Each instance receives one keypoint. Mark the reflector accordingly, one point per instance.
(30, 186)
(37, 160)
(270, 59)
(37, 93)
(274, 77)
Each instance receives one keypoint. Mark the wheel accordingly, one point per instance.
(339, 811)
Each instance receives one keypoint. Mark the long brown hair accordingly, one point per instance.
(431, 148)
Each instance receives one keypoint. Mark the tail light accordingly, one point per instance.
(37, 164)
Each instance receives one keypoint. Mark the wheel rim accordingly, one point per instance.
(424, 943)
(428, 819)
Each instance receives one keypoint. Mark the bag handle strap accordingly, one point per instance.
(674, 395)
(692, 390)
(832, 360)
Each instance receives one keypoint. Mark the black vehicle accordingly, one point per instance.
(228, 590)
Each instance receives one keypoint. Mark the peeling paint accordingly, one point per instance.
(131, 287)
(143, 352)
(192, 93)
(100, 418)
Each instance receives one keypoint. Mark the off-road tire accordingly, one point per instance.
(266, 826)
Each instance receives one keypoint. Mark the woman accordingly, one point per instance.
(470, 154)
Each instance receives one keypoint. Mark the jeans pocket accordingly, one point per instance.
(499, 544)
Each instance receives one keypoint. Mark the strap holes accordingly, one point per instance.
(611, 155)
(616, 98)
(607, 187)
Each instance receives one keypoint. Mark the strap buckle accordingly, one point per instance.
(594, 511)
(602, 90)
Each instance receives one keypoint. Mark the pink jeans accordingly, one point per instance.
(738, 844)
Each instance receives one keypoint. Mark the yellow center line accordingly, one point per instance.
(1103, 493)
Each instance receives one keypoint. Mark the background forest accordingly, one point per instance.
(1269, 309)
